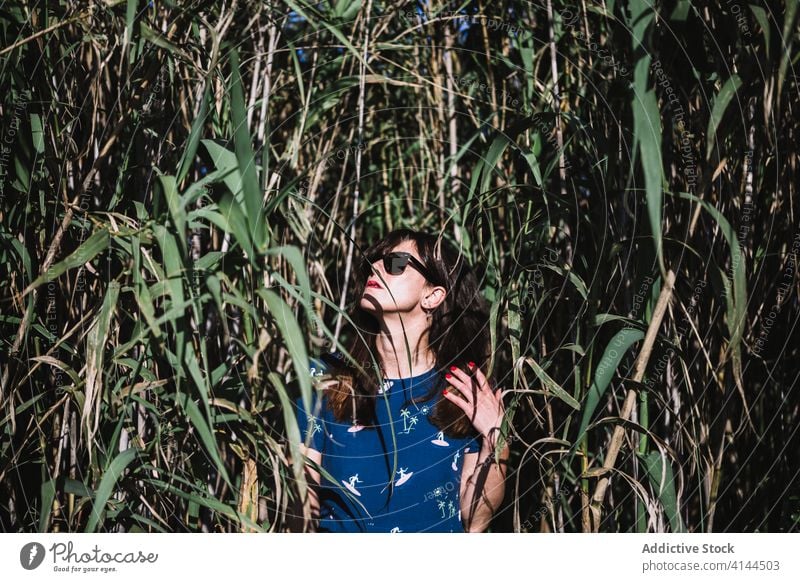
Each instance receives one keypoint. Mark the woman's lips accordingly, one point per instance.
(373, 284)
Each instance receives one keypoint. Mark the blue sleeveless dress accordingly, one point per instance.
(425, 477)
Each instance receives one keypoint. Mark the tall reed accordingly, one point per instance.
(184, 189)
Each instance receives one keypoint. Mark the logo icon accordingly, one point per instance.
(31, 555)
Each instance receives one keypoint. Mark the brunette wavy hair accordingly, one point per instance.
(458, 334)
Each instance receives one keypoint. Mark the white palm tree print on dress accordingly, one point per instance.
(409, 420)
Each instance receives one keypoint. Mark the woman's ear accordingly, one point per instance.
(434, 298)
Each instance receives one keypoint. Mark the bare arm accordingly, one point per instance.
(482, 486)
(312, 499)
(482, 479)
(313, 476)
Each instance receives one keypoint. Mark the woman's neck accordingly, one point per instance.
(391, 346)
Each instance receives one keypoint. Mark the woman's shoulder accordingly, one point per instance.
(325, 363)
(330, 372)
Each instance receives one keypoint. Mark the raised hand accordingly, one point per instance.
(475, 396)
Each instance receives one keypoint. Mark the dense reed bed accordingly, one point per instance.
(185, 188)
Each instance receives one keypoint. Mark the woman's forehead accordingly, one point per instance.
(406, 246)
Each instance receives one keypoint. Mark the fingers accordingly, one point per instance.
(462, 381)
(479, 376)
(457, 400)
(469, 382)
(484, 384)
(470, 390)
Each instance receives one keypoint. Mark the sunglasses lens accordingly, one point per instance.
(395, 264)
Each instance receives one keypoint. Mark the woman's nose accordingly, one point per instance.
(377, 266)
(374, 271)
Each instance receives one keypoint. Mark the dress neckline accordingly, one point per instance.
(423, 375)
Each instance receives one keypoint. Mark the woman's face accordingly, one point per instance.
(405, 293)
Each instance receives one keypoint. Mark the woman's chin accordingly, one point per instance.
(372, 305)
(368, 303)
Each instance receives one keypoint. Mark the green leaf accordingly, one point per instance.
(208, 261)
(37, 135)
(130, 19)
(214, 505)
(612, 355)
(93, 246)
(761, 17)
(787, 39)
(204, 431)
(225, 161)
(235, 223)
(736, 294)
(190, 152)
(292, 428)
(174, 273)
(176, 209)
(110, 477)
(333, 30)
(23, 181)
(158, 40)
(200, 379)
(642, 16)
(494, 316)
(552, 385)
(662, 480)
(681, 10)
(145, 302)
(481, 177)
(73, 375)
(721, 102)
(246, 159)
(173, 266)
(295, 258)
(647, 126)
(48, 494)
(346, 9)
(78, 488)
(95, 355)
(294, 338)
(514, 331)
(572, 276)
(646, 117)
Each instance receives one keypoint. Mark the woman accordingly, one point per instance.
(409, 446)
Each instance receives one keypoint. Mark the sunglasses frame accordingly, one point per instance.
(387, 264)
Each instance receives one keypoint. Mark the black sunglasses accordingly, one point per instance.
(396, 263)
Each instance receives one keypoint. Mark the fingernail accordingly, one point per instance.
(452, 368)
(444, 391)
(448, 375)
(472, 365)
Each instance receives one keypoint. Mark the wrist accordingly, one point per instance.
(491, 438)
